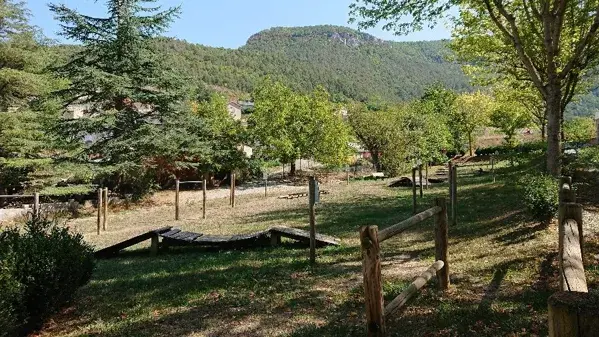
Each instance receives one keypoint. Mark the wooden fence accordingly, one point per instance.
(573, 311)
(36, 200)
(370, 238)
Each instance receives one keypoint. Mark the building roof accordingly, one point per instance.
(235, 105)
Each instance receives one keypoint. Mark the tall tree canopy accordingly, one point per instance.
(471, 112)
(287, 126)
(120, 79)
(551, 44)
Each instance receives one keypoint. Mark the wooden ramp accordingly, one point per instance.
(302, 236)
(178, 238)
(115, 249)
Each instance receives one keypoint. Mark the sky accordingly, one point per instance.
(229, 23)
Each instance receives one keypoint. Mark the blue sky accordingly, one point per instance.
(229, 23)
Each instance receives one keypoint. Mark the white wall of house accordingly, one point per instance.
(234, 110)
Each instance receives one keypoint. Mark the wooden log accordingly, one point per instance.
(389, 232)
(177, 183)
(99, 209)
(407, 294)
(373, 289)
(414, 204)
(442, 243)
(571, 264)
(573, 314)
(105, 209)
(454, 194)
(420, 177)
(312, 188)
(204, 199)
(36, 205)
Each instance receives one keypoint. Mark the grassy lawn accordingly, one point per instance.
(502, 265)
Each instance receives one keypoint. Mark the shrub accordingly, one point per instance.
(42, 267)
(579, 130)
(506, 149)
(540, 195)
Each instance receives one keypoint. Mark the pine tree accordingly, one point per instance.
(120, 79)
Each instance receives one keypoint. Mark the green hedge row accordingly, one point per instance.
(505, 149)
(41, 267)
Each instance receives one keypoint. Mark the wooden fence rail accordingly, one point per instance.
(573, 311)
(370, 239)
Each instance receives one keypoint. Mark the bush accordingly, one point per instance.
(41, 268)
(540, 195)
(579, 130)
(508, 150)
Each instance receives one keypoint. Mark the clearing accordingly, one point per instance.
(502, 263)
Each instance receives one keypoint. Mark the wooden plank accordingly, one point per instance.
(170, 233)
(418, 283)
(389, 232)
(373, 289)
(114, 249)
(304, 236)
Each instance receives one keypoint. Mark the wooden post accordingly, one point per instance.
(233, 189)
(450, 178)
(177, 199)
(204, 199)
(348, 176)
(99, 208)
(426, 175)
(105, 209)
(373, 290)
(454, 194)
(441, 243)
(266, 187)
(414, 205)
(311, 191)
(493, 167)
(571, 270)
(154, 246)
(420, 177)
(36, 205)
(573, 314)
(566, 193)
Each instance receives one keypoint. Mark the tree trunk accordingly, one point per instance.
(376, 160)
(470, 143)
(292, 172)
(553, 129)
(543, 126)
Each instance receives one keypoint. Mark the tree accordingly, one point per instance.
(24, 80)
(508, 115)
(441, 102)
(551, 44)
(128, 91)
(372, 129)
(580, 129)
(470, 113)
(23, 58)
(288, 126)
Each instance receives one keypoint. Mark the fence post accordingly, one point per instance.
(177, 199)
(36, 205)
(441, 243)
(99, 208)
(204, 199)
(450, 178)
(420, 177)
(426, 175)
(373, 291)
(493, 167)
(570, 210)
(566, 194)
(105, 209)
(414, 205)
(311, 197)
(233, 178)
(573, 314)
(454, 194)
(266, 187)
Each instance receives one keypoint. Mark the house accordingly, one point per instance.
(235, 110)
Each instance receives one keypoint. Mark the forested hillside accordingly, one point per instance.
(348, 63)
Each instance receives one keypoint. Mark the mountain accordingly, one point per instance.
(350, 64)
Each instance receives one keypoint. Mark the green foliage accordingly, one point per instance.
(287, 126)
(470, 113)
(509, 115)
(40, 269)
(540, 195)
(580, 130)
(523, 148)
(586, 159)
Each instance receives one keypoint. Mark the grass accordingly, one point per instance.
(503, 269)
